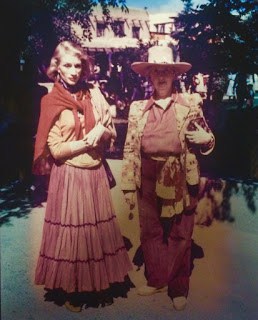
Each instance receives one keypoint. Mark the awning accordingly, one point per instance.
(110, 44)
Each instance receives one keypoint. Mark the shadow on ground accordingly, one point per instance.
(17, 200)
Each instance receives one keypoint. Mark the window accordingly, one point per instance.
(118, 28)
(101, 29)
(136, 32)
(160, 28)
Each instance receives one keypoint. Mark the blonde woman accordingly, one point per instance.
(82, 250)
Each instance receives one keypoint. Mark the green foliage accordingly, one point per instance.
(60, 14)
(34, 27)
(220, 36)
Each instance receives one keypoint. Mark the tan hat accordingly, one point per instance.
(160, 56)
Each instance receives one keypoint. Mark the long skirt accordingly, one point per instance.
(82, 248)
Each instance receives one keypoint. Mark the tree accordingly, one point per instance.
(188, 5)
(30, 31)
(33, 28)
(220, 36)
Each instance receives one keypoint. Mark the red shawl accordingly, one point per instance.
(52, 105)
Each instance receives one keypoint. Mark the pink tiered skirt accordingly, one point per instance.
(82, 248)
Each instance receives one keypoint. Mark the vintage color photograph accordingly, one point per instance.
(129, 163)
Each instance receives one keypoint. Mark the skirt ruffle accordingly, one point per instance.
(82, 249)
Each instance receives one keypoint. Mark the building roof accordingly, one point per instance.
(110, 44)
(161, 18)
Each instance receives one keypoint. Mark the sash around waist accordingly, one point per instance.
(160, 156)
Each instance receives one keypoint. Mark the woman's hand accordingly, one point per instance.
(93, 137)
(199, 136)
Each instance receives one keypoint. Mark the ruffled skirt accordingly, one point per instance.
(82, 249)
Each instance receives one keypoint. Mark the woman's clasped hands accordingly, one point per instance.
(92, 138)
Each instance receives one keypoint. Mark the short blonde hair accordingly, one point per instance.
(68, 47)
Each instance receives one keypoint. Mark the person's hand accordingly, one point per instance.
(93, 137)
(78, 146)
(130, 198)
(199, 136)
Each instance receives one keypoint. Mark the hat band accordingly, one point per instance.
(162, 62)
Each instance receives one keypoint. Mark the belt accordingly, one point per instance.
(159, 155)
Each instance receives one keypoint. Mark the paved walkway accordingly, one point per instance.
(224, 281)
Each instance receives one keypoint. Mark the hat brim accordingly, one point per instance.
(143, 68)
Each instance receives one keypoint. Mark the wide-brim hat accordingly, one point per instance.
(160, 56)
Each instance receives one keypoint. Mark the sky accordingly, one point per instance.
(158, 6)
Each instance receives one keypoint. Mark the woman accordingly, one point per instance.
(82, 249)
(160, 166)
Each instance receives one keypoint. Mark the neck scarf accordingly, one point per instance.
(52, 105)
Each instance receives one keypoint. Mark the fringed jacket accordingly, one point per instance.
(187, 107)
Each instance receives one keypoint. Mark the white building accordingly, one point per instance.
(122, 30)
(125, 29)
(161, 27)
